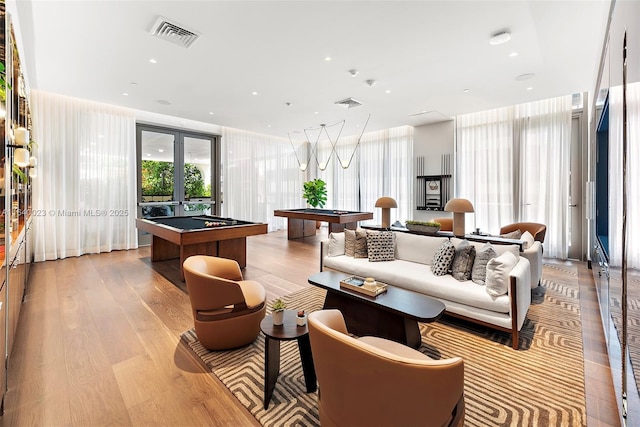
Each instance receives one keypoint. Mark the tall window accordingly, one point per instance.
(513, 164)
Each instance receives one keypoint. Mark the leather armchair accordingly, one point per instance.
(446, 224)
(227, 310)
(538, 231)
(373, 381)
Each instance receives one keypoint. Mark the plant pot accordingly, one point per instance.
(426, 229)
(278, 317)
(301, 320)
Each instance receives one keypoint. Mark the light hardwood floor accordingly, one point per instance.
(98, 341)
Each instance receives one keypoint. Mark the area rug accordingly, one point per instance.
(542, 384)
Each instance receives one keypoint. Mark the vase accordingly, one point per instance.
(278, 317)
(301, 320)
(426, 229)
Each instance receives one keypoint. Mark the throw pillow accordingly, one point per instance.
(360, 248)
(498, 270)
(349, 242)
(462, 264)
(513, 235)
(443, 258)
(479, 270)
(380, 245)
(336, 244)
(528, 239)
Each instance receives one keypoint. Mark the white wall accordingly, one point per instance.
(432, 141)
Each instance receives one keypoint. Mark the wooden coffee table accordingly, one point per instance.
(289, 330)
(393, 315)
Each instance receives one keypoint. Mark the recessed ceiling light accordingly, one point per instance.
(499, 38)
(163, 102)
(529, 88)
(370, 82)
(513, 54)
(466, 90)
(125, 94)
(315, 112)
(387, 91)
(211, 113)
(353, 72)
(525, 76)
(268, 126)
(161, 150)
(288, 104)
(153, 61)
(327, 58)
(254, 93)
(133, 84)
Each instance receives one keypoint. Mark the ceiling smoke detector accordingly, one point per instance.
(348, 103)
(174, 32)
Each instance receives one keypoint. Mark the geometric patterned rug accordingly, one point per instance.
(541, 384)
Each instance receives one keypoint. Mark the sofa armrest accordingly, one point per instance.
(521, 283)
(534, 255)
(324, 252)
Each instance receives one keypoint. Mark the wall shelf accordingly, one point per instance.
(433, 192)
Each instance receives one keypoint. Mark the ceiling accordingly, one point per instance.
(423, 55)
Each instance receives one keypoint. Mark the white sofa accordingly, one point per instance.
(464, 299)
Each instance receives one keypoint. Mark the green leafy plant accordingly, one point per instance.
(315, 192)
(278, 305)
(425, 223)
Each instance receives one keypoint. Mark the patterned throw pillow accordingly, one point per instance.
(443, 258)
(479, 270)
(380, 245)
(349, 242)
(462, 264)
(360, 248)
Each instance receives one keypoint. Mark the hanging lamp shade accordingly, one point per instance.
(21, 157)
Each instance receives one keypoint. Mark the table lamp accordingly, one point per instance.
(386, 203)
(458, 207)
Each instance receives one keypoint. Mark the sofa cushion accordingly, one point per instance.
(417, 248)
(500, 249)
(512, 235)
(360, 248)
(380, 245)
(349, 242)
(336, 244)
(498, 270)
(443, 258)
(419, 278)
(479, 269)
(528, 239)
(462, 264)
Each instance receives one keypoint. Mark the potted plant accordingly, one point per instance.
(277, 308)
(315, 193)
(427, 227)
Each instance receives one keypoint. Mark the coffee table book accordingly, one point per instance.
(356, 283)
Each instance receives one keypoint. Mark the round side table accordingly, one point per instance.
(273, 334)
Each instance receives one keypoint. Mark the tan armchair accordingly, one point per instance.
(227, 310)
(446, 224)
(538, 231)
(372, 381)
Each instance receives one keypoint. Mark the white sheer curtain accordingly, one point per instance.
(259, 175)
(85, 193)
(615, 175)
(485, 167)
(545, 162)
(513, 164)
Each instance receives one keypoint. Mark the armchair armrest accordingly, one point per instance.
(324, 252)
(520, 291)
(534, 254)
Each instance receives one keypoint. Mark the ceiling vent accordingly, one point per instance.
(174, 32)
(348, 103)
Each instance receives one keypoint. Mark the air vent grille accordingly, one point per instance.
(348, 103)
(174, 32)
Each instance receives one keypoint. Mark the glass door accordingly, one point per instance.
(176, 173)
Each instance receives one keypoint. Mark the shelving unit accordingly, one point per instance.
(15, 194)
(433, 191)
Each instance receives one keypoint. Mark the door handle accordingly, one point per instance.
(573, 206)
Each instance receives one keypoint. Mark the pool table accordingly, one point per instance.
(302, 222)
(183, 236)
